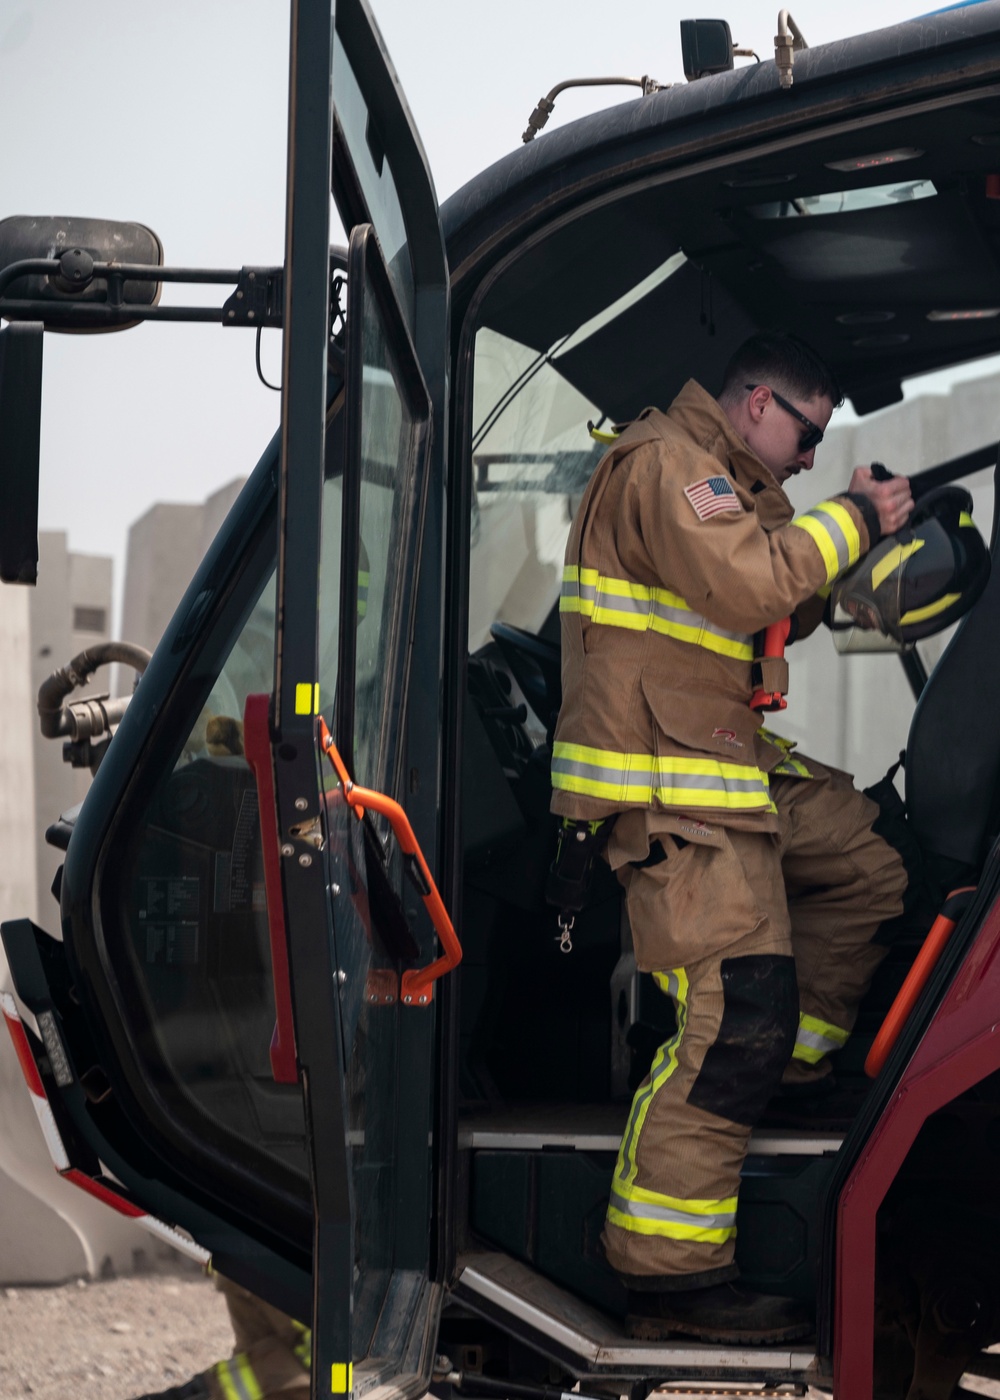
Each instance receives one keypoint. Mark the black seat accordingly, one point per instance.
(953, 749)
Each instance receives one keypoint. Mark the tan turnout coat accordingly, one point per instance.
(684, 548)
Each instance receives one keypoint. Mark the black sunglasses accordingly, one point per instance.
(812, 437)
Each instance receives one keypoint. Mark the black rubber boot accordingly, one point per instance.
(726, 1313)
(826, 1106)
(195, 1389)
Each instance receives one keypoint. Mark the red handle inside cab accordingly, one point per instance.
(257, 748)
(417, 984)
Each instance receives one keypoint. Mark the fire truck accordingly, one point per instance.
(305, 1011)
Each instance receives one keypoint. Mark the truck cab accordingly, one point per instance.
(304, 1009)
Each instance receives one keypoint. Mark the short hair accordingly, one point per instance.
(782, 362)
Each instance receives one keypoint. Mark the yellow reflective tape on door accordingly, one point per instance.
(342, 1379)
(307, 698)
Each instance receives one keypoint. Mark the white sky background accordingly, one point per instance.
(174, 115)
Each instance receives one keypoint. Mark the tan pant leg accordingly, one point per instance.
(842, 882)
(264, 1351)
(672, 1214)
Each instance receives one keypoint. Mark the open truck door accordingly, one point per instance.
(242, 1038)
(234, 1040)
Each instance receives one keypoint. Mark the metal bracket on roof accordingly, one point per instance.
(543, 111)
(788, 39)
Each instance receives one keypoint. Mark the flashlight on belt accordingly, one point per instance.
(774, 639)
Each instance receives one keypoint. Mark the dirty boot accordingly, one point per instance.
(726, 1313)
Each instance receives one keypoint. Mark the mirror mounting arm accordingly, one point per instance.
(256, 301)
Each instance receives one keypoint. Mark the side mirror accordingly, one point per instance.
(20, 431)
(55, 270)
(706, 47)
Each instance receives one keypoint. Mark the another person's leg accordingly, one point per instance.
(271, 1351)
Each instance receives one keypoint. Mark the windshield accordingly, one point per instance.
(536, 440)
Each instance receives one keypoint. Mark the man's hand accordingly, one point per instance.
(892, 499)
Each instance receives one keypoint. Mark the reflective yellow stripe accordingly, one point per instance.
(815, 1038)
(636, 1208)
(703, 1222)
(931, 610)
(618, 602)
(236, 1378)
(966, 519)
(848, 529)
(893, 559)
(364, 580)
(790, 768)
(341, 1378)
(676, 782)
(832, 529)
(673, 984)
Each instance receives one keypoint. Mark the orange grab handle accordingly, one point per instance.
(417, 984)
(775, 637)
(914, 983)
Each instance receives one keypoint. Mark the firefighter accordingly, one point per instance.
(753, 880)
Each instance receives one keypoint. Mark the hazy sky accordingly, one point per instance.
(174, 115)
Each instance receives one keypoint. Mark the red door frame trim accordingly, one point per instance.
(960, 1047)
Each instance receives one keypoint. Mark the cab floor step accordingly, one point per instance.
(589, 1342)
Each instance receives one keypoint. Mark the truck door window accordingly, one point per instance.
(373, 172)
(189, 942)
(388, 449)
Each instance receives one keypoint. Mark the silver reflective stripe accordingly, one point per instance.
(815, 1041)
(700, 782)
(626, 777)
(834, 533)
(845, 554)
(615, 602)
(643, 1210)
(597, 773)
(680, 613)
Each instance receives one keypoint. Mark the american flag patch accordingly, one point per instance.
(711, 496)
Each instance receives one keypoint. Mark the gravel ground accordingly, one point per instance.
(118, 1339)
(109, 1340)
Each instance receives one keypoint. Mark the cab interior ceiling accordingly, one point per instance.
(857, 284)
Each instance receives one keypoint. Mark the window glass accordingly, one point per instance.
(388, 1062)
(845, 201)
(388, 459)
(374, 173)
(532, 455)
(191, 945)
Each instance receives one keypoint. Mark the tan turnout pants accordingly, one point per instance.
(763, 942)
(270, 1353)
